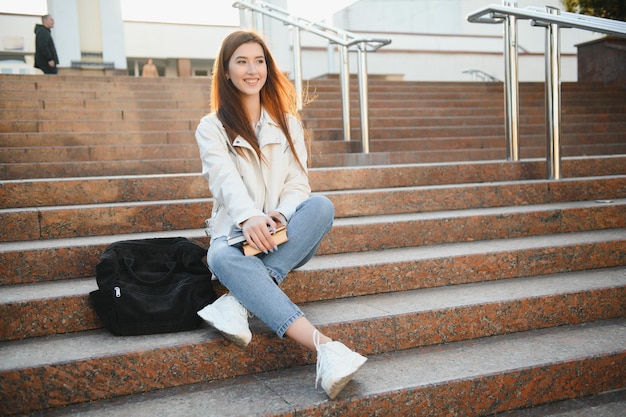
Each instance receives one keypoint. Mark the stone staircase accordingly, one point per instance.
(92, 126)
(474, 285)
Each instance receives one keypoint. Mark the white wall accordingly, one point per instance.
(162, 40)
(432, 40)
(18, 31)
(423, 57)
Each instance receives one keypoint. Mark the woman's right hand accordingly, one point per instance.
(256, 230)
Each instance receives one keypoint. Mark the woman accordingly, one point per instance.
(254, 157)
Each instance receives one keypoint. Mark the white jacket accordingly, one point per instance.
(243, 187)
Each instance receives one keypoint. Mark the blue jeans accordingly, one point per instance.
(254, 280)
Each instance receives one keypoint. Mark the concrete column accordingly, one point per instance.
(113, 39)
(88, 30)
(66, 31)
(183, 66)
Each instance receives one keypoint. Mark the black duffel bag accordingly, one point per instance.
(150, 286)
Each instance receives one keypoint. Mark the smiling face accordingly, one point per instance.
(247, 68)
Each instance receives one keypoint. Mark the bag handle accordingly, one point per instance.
(171, 266)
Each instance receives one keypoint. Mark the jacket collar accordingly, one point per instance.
(269, 132)
(266, 118)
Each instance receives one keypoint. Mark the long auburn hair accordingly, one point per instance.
(278, 95)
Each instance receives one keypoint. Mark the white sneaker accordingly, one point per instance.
(228, 316)
(336, 365)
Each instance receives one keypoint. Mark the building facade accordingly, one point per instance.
(430, 41)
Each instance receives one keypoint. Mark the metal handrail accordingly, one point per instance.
(346, 41)
(480, 74)
(494, 13)
(553, 20)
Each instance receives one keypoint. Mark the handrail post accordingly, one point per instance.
(259, 24)
(245, 18)
(552, 19)
(363, 95)
(511, 84)
(345, 90)
(553, 97)
(330, 59)
(297, 66)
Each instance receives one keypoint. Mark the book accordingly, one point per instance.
(236, 237)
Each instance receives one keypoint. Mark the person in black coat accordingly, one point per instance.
(46, 58)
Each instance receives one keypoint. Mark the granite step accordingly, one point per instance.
(42, 81)
(474, 99)
(536, 88)
(129, 90)
(320, 105)
(408, 117)
(35, 146)
(452, 86)
(393, 152)
(478, 131)
(495, 109)
(184, 93)
(373, 105)
(98, 152)
(338, 158)
(104, 104)
(50, 139)
(572, 144)
(475, 94)
(441, 129)
(87, 169)
(130, 84)
(577, 150)
(123, 121)
(51, 307)
(115, 189)
(78, 81)
(483, 119)
(57, 370)
(606, 404)
(128, 87)
(470, 378)
(61, 91)
(57, 259)
(452, 156)
(118, 113)
(64, 91)
(312, 113)
(442, 125)
(17, 193)
(57, 222)
(52, 126)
